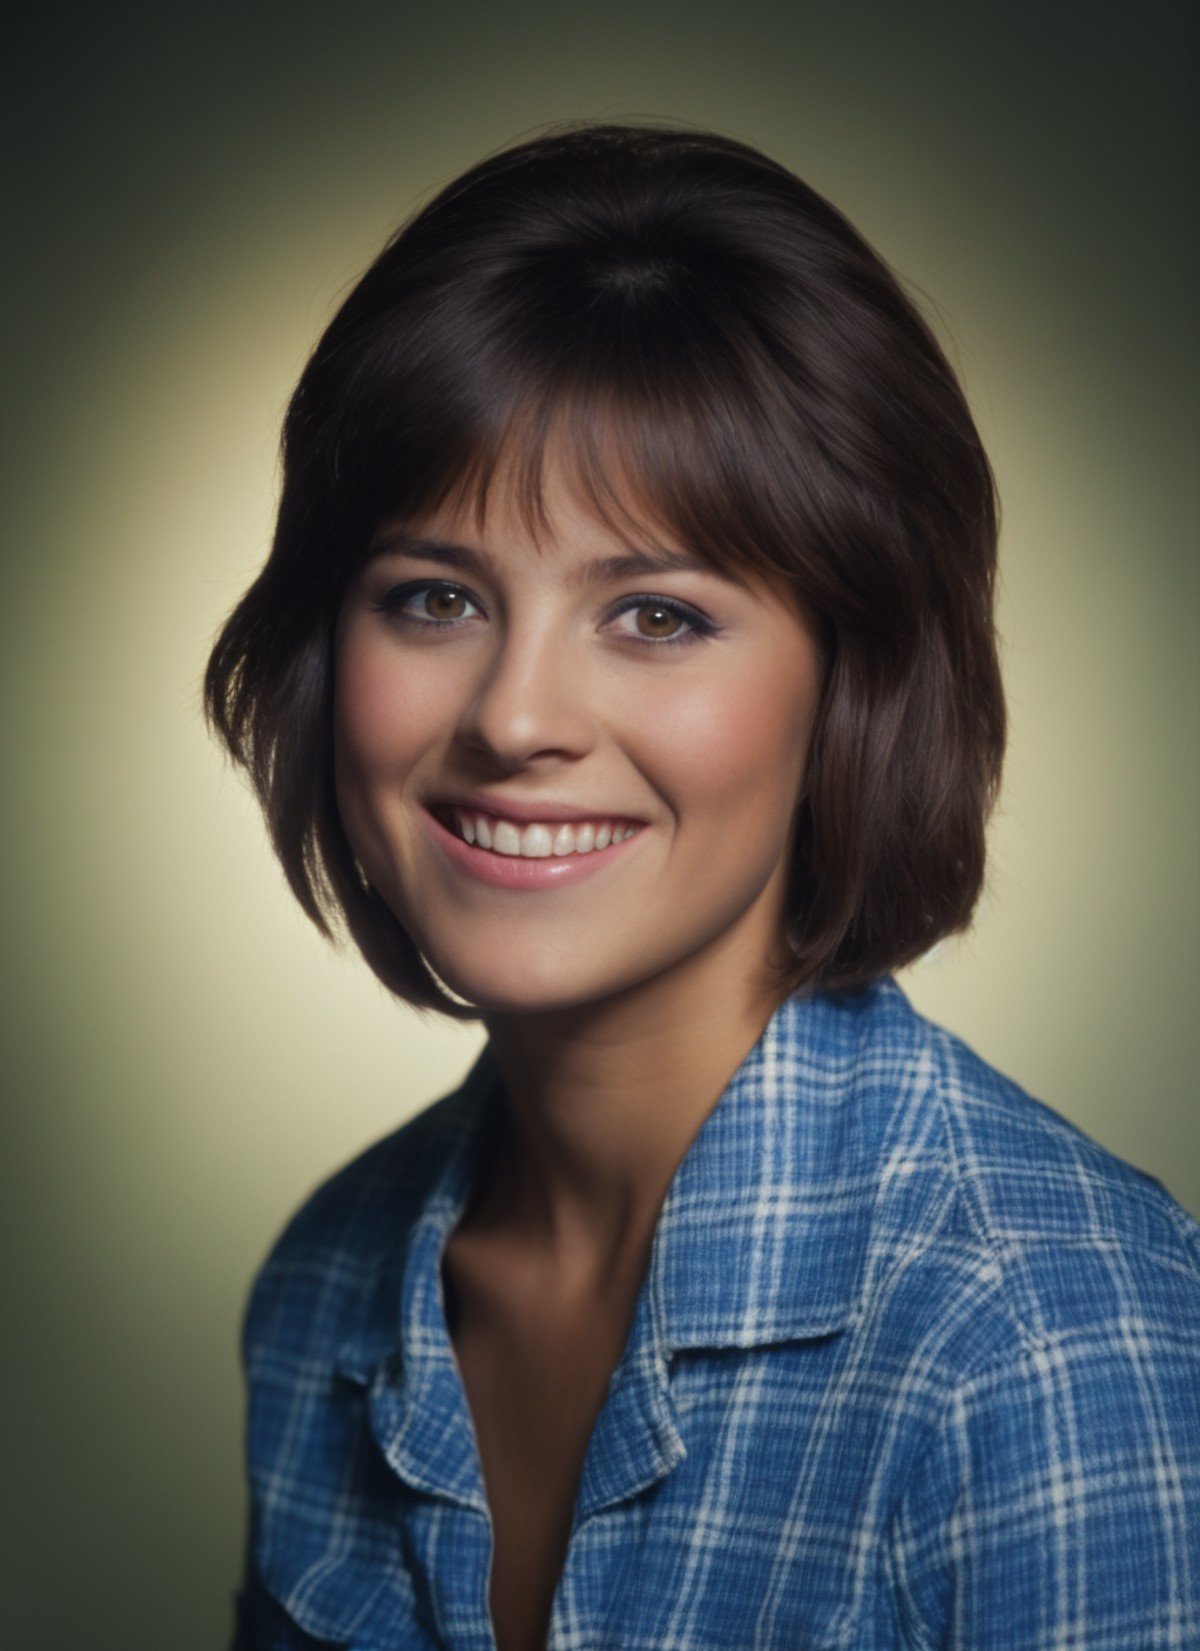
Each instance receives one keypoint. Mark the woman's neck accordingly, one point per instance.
(602, 1102)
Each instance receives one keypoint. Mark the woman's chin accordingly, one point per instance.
(509, 985)
(492, 995)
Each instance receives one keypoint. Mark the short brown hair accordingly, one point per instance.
(775, 397)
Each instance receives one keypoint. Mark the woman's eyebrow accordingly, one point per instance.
(400, 542)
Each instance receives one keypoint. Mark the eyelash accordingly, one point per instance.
(701, 628)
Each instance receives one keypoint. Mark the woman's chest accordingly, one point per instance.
(716, 1499)
(747, 1512)
(535, 1375)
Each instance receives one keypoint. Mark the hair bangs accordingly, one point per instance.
(659, 458)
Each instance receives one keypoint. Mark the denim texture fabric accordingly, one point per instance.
(915, 1363)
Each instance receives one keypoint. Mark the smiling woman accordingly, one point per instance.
(623, 676)
(552, 694)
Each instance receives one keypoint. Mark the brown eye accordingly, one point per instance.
(667, 623)
(657, 622)
(440, 604)
(424, 605)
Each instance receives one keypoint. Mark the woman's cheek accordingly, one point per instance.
(727, 745)
(386, 707)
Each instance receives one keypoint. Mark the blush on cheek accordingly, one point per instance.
(749, 740)
(381, 710)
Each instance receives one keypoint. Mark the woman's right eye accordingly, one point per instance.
(395, 602)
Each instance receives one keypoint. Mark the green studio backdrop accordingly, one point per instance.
(190, 193)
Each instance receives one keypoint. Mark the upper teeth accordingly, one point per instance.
(537, 841)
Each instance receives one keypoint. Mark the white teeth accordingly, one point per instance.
(537, 841)
(506, 839)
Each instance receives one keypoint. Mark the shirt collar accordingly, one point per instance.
(764, 1231)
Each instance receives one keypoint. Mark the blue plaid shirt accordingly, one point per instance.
(915, 1363)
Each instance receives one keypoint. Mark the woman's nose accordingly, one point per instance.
(531, 697)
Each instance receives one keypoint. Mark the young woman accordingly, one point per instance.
(623, 676)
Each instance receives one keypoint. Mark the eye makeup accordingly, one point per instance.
(699, 626)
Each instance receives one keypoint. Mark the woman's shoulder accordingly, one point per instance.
(1048, 1233)
(1040, 1298)
(331, 1251)
(384, 1181)
(1032, 1176)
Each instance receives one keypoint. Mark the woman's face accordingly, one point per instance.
(677, 699)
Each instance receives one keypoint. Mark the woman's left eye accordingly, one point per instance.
(660, 610)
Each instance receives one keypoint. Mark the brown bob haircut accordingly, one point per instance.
(675, 297)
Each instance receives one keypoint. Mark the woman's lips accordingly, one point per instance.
(512, 871)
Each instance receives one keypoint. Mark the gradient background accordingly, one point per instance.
(190, 194)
